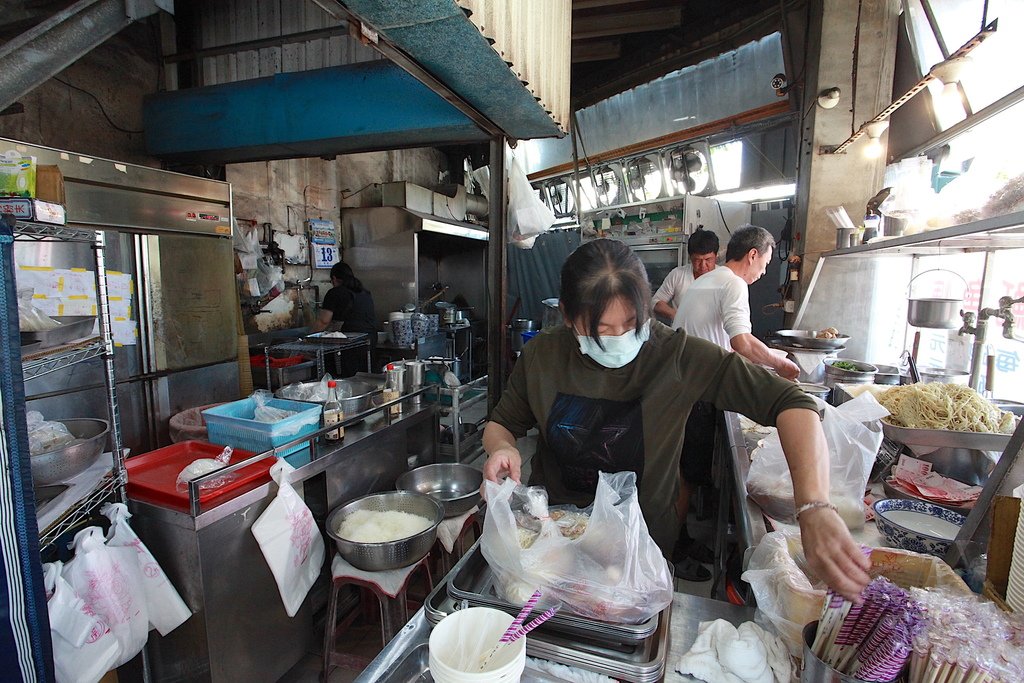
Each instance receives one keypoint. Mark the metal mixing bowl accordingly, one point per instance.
(456, 487)
(377, 557)
(354, 396)
(809, 339)
(57, 466)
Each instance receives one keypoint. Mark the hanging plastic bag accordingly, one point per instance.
(528, 216)
(853, 433)
(290, 541)
(167, 611)
(46, 435)
(601, 562)
(83, 647)
(110, 582)
(201, 466)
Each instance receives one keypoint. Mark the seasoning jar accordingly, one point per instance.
(333, 413)
(393, 387)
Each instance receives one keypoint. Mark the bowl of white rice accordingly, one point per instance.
(385, 531)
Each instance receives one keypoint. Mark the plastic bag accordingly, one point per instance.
(528, 216)
(110, 582)
(606, 567)
(853, 433)
(268, 413)
(45, 436)
(83, 647)
(167, 611)
(290, 541)
(313, 392)
(201, 466)
(30, 318)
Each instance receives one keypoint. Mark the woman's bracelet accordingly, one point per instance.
(814, 504)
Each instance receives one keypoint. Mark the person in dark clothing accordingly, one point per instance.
(348, 307)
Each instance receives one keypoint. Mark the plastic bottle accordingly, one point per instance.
(393, 388)
(333, 414)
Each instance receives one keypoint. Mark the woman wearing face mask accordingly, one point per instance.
(611, 391)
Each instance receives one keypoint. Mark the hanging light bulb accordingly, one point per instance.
(874, 149)
(951, 72)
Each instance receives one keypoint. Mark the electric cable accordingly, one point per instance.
(100, 105)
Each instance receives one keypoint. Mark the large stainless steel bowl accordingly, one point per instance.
(57, 466)
(456, 487)
(355, 396)
(808, 339)
(377, 557)
(864, 374)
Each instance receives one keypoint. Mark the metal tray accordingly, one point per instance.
(72, 327)
(473, 581)
(808, 339)
(923, 441)
(415, 668)
(639, 662)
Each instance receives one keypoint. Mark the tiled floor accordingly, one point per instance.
(361, 642)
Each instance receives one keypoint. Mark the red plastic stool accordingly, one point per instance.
(446, 560)
(394, 609)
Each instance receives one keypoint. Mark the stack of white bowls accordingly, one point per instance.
(1015, 586)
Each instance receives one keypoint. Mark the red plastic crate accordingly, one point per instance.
(152, 477)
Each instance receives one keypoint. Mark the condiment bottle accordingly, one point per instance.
(393, 387)
(333, 414)
(871, 223)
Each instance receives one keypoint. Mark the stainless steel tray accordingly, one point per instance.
(808, 339)
(71, 327)
(639, 662)
(473, 581)
(922, 441)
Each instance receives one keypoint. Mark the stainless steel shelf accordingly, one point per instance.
(43, 232)
(82, 509)
(999, 232)
(61, 359)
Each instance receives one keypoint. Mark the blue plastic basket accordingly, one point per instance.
(233, 424)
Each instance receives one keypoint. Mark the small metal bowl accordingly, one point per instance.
(456, 487)
(57, 466)
(376, 557)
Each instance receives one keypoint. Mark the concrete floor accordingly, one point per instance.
(361, 642)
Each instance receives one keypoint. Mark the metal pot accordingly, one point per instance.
(887, 374)
(518, 326)
(864, 374)
(456, 487)
(934, 313)
(944, 375)
(377, 557)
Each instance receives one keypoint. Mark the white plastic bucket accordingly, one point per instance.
(461, 641)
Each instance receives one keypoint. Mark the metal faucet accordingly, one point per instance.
(977, 325)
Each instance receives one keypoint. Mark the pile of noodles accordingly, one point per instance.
(944, 406)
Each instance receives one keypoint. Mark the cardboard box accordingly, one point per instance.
(33, 210)
(50, 184)
(1005, 511)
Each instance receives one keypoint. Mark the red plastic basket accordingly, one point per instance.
(261, 361)
(152, 477)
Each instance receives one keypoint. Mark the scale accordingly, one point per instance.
(810, 361)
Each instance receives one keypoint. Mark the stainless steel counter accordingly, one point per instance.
(239, 629)
(688, 611)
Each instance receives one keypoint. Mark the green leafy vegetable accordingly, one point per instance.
(846, 365)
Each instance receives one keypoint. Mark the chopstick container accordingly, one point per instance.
(461, 641)
(816, 671)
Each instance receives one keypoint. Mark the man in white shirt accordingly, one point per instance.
(702, 249)
(716, 307)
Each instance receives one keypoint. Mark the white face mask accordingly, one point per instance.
(618, 350)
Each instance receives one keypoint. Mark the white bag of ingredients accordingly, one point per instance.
(853, 433)
(167, 611)
(290, 541)
(83, 647)
(201, 466)
(600, 562)
(110, 582)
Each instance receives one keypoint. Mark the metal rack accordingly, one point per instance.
(461, 398)
(39, 364)
(320, 347)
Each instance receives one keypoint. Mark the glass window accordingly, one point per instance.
(727, 163)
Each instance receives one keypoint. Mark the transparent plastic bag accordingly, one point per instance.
(268, 413)
(30, 318)
(601, 562)
(45, 436)
(201, 466)
(853, 433)
(313, 392)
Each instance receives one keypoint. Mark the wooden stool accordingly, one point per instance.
(394, 609)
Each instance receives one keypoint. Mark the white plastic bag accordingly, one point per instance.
(853, 433)
(83, 647)
(290, 541)
(612, 571)
(201, 466)
(264, 412)
(167, 611)
(110, 582)
(528, 216)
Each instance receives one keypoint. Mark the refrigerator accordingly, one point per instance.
(169, 242)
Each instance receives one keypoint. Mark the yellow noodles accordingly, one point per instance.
(944, 406)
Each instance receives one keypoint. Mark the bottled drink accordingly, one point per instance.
(333, 413)
(393, 387)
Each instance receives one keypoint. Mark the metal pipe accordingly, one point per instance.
(497, 285)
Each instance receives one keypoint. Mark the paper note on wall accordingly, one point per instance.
(119, 284)
(42, 280)
(77, 283)
(120, 307)
(124, 332)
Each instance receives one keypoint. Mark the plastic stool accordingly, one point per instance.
(446, 560)
(394, 609)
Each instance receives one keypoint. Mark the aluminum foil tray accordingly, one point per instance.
(639, 662)
(473, 581)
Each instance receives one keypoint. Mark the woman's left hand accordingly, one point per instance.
(833, 554)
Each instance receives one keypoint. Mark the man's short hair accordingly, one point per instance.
(746, 238)
(702, 242)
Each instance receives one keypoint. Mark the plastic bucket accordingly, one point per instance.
(462, 640)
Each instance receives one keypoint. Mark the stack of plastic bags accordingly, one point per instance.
(104, 601)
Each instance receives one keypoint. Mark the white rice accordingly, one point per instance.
(371, 526)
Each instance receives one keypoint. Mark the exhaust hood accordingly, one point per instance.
(373, 224)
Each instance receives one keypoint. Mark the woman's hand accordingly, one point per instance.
(832, 553)
(503, 462)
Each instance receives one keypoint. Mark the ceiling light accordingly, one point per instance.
(829, 98)
(951, 70)
(759, 194)
(874, 130)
